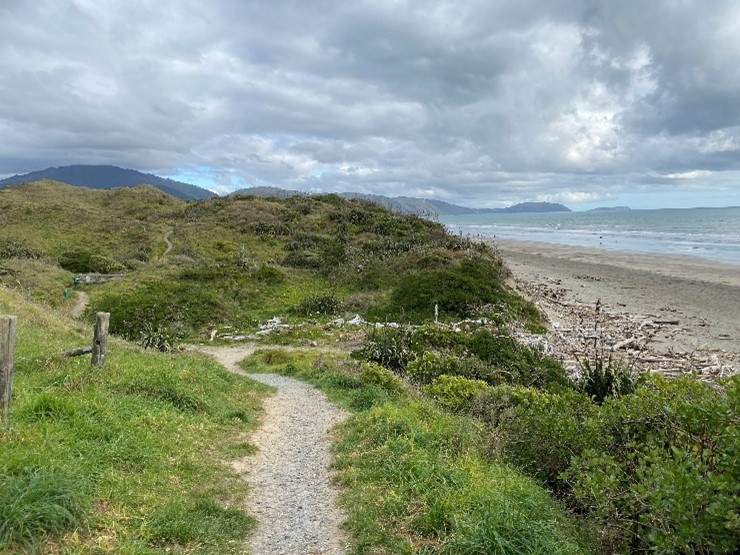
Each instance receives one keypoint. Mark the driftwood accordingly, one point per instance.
(581, 330)
(623, 344)
(79, 351)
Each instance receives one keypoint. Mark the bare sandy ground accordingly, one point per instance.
(702, 296)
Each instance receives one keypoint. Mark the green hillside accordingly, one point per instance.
(238, 260)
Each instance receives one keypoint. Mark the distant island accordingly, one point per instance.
(610, 209)
(413, 205)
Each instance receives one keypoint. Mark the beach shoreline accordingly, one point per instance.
(681, 311)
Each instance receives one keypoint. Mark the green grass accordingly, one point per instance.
(130, 458)
(418, 480)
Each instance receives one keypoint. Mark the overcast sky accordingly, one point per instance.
(481, 103)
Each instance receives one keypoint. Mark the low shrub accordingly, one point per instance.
(391, 347)
(317, 305)
(517, 363)
(544, 431)
(374, 374)
(454, 393)
(605, 376)
(656, 468)
(455, 290)
(83, 260)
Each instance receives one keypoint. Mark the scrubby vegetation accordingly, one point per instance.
(419, 480)
(649, 465)
(459, 433)
(239, 260)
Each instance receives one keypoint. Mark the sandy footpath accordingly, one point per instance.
(702, 296)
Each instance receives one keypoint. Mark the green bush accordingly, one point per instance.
(656, 468)
(391, 347)
(517, 363)
(545, 431)
(82, 261)
(374, 374)
(456, 290)
(316, 305)
(454, 393)
(268, 274)
(605, 376)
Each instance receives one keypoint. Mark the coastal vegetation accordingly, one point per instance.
(462, 439)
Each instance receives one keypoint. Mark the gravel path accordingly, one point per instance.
(80, 304)
(292, 495)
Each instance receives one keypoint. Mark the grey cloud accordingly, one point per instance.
(475, 102)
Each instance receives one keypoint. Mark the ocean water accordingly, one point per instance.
(709, 233)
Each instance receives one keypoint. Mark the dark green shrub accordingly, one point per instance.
(454, 393)
(441, 338)
(605, 376)
(269, 274)
(82, 261)
(517, 363)
(391, 347)
(456, 290)
(304, 260)
(545, 431)
(657, 468)
(316, 305)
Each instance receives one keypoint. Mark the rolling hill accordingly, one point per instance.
(109, 177)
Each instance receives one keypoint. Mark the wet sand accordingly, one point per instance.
(703, 296)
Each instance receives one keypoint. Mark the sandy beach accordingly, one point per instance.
(666, 308)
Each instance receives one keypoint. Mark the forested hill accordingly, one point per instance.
(109, 177)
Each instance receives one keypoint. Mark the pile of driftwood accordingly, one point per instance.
(583, 331)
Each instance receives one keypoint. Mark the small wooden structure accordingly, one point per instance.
(7, 347)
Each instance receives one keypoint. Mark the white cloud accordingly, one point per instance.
(693, 174)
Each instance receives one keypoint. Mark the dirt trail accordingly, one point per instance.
(292, 494)
(166, 238)
(80, 304)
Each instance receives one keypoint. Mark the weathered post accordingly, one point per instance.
(7, 346)
(100, 338)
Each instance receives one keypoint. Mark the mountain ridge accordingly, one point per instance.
(106, 176)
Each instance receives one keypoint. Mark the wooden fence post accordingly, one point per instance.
(7, 346)
(100, 338)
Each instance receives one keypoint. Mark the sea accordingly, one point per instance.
(709, 233)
